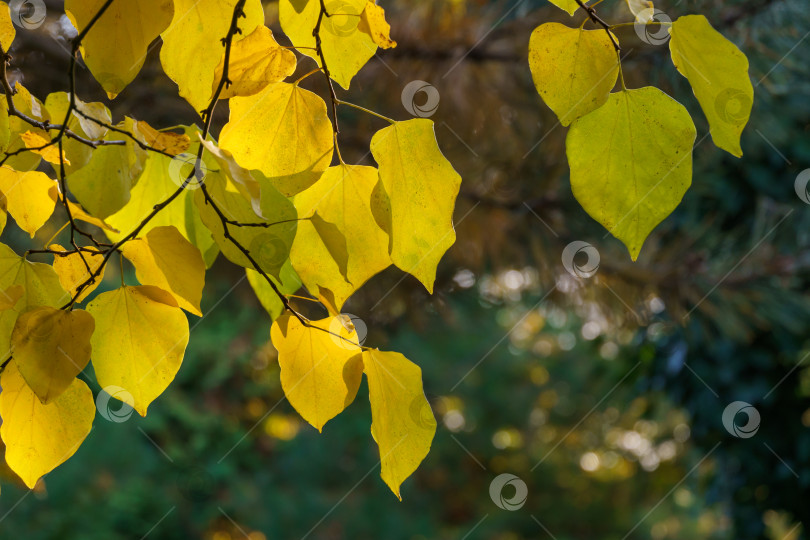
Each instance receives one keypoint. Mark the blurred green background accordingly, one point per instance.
(604, 395)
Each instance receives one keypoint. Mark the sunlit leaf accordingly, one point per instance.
(27, 197)
(41, 437)
(342, 197)
(421, 188)
(573, 69)
(373, 23)
(284, 132)
(192, 45)
(566, 5)
(42, 146)
(718, 72)
(289, 284)
(167, 141)
(73, 271)
(165, 259)
(402, 422)
(51, 347)
(631, 162)
(255, 62)
(321, 366)
(7, 30)
(139, 342)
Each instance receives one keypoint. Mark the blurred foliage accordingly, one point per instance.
(604, 395)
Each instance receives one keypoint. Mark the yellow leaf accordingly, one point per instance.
(345, 48)
(373, 23)
(631, 162)
(566, 5)
(10, 297)
(27, 197)
(342, 197)
(57, 104)
(574, 70)
(40, 145)
(642, 9)
(5, 129)
(268, 242)
(30, 106)
(284, 132)
(256, 61)
(288, 284)
(320, 371)
(402, 423)
(242, 180)
(421, 188)
(103, 185)
(192, 46)
(41, 437)
(7, 30)
(51, 347)
(718, 73)
(167, 141)
(116, 46)
(165, 259)
(78, 212)
(72, 271)
(154, 186)
(141, 336)
(41, 288)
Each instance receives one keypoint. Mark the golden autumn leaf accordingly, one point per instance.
(72, 270)
(373, 23)
(27, 197)
(42, 146)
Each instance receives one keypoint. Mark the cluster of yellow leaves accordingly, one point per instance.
(630, 152)
(273, 203)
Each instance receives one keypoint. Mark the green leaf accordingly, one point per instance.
(402, 423)
(289, 284)
(573, 69)
(718, 73)
(631, 162)
(421, 188)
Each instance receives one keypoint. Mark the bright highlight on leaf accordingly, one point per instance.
(139, 342)
(345, 47)
(574, 70)
(420, 188)
(631, 162)
(115, 47)
(284, 132)
(165, 259)
(402, 422)
(41, 437)
(321, 366)
(51, 347)
(256, 61)
(192, 46)
(718, 73)
(342, 198)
